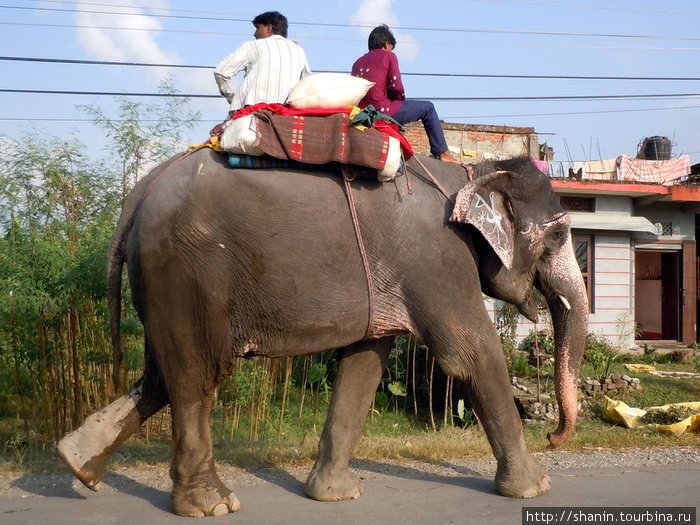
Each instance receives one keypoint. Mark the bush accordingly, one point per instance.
(600, 354)
(521, 367)
(545, 342)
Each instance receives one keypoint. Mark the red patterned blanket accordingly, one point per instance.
(320, 139)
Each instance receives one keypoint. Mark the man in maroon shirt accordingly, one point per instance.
(381, 66)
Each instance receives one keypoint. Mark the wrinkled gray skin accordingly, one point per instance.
(229, 263)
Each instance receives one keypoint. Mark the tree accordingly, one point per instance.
(61, 212)
(146, 134)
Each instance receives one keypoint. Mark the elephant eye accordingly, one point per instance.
(558, 235)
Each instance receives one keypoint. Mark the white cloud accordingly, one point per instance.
(139, 43)
(372, 13)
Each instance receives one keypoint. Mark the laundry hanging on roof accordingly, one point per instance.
(652, 171)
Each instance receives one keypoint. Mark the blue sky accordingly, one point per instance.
(499, 41)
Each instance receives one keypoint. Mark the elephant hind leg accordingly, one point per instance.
(359, 372)
(87, 449)
(197, 489)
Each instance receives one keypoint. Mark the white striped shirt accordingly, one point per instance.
(272, 66)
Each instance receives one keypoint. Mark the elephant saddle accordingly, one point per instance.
(318, 137)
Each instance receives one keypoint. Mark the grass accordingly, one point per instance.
(392, 435)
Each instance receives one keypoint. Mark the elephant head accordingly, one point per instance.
(525, 242)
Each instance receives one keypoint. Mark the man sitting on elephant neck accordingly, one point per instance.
(272, 64)
(381, 66)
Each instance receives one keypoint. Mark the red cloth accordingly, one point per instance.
(281, 109)
(392, 129)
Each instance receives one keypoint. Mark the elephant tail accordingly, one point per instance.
(114, 294)
(115, 266)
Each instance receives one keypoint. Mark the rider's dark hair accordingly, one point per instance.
(379, 36)
(277, 20)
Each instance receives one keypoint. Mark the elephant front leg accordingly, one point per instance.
(518, 475)
(360, 370)
(87, 449)
(197, 489)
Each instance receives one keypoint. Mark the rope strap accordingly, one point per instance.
(347, 177)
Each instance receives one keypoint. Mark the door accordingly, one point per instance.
(670, 296)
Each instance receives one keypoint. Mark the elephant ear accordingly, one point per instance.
(485, 209)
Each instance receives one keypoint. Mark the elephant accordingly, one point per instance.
(226, 264)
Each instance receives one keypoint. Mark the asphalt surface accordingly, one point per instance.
(405, 495)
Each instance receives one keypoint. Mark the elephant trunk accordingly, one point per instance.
(566, 295)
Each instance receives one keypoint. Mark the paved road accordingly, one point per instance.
(405, 496)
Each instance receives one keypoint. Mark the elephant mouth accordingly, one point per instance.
(528, 308)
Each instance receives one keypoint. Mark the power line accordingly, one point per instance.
(519, 45)
(512, 2)
(568, 113)
(442, 29)
(103, 93)
(101, 62)
(449, 117)
(596, 7)
(87, 120)
(445, 75)
(110, 28)
(443, 99)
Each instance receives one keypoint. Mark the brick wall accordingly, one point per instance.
(475, 142)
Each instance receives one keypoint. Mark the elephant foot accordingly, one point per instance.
(87, 449)
(206, 501)
(87, 468)
(324, 485)
(526, 480)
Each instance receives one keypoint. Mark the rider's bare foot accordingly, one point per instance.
(447, 157)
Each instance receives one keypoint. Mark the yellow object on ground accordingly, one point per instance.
(692, 423)
(638, 368)
(630, 417)
(622, 414)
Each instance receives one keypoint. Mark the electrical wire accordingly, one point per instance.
(442, 75)
(582, 6)
(447, 117)
(443, 99)
(511, 2)
(302, 22)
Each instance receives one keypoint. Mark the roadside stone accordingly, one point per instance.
(545, 409)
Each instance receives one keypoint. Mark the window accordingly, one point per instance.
(585, 204)
(583, 248)
(666, 228)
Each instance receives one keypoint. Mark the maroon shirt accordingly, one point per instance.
(381, 67)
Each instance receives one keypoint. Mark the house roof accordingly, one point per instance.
(644, 193)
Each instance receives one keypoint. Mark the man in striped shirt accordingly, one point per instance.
(272, 65)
